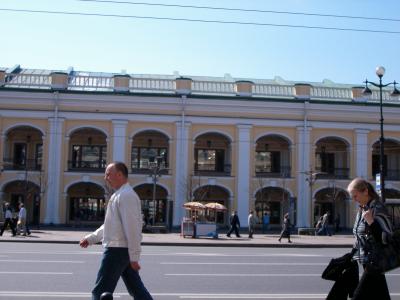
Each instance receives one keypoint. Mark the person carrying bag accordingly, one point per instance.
(376, 247)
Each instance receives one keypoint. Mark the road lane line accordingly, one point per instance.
(241, 255)
(55, 252)
(245, 263)
(86, 295)
(43, 261)
(259, 296)
(35, 273)
(242, 275)
(252, 275)
(41, 295)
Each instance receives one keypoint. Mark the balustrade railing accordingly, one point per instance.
(331, 93)
(140, 168)
(23, 80)
(86, 81)
(281, 172)
(212, 169)
(213, 87)
(87, 166)
(21, 164)
(273, 90)
(334, 173)
(152, 84)
(90, 82)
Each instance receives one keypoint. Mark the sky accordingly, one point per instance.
(153, 46)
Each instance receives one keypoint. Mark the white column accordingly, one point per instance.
(54, 171)
(243, 172)
(303, 165)
(181, 169)
(362, 153)
(119, 139)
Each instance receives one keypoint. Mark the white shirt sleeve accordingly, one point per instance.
(131, 219)
(95, 237)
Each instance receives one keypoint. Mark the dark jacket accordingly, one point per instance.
(235, 220)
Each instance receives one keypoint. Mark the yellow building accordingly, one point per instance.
(246, 144)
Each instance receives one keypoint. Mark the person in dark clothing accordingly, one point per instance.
(235, 225)
(286, 228)
(372, 219)
(8, 221)
(346, 284)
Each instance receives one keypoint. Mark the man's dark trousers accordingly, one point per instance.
(116, 264)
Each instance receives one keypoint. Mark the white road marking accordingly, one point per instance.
(67, 295)
(55, 252)
(254, 275)
(245, 263)
(237, 255)
(86, 295)
(35, 273)
(242, 275)
(43, 261)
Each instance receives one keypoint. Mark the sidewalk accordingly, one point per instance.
(71, 236)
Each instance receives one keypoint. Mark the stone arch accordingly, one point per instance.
(86, 202)
(23, 191)
(141, 130)
(276, 201)
(72, 130)
(332, 200)
(23, 124)
(208, 193)
(284, 136)
(215, 131)
(154, 207)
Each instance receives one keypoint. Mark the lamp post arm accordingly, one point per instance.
(379, 85)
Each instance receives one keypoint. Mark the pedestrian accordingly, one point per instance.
(324, 230)
(235, 225)
(266, 220)
(251, 222)
(121, 235)
(8, 221)
(337, 223)
(319, 223)
(22, 223)
(286, 227)
(372, 218)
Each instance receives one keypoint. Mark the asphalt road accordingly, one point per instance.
(63, 271)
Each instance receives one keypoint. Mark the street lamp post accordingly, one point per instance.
(380, 71)
(155, 168)
(311, 179)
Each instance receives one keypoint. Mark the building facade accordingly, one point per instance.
(268, 145)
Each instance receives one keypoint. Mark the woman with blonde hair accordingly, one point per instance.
(371, 220)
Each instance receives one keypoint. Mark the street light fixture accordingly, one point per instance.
(311, 178)
(156, 167)
(380, 71)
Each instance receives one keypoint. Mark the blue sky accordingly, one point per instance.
(146, 46)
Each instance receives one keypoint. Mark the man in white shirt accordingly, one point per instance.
(121, 235)
(22, 221)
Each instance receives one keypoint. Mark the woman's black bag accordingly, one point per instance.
(383, 257)
(337, 266)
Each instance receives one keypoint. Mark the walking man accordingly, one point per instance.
(251, 220)
(22, 221)
(324, 230)
(121, 235)
(8, 221)
(235, 225)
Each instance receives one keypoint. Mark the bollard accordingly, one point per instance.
(106, 296)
